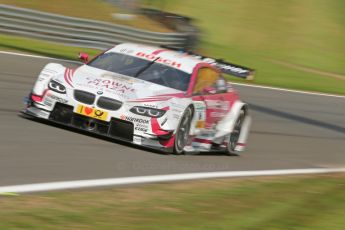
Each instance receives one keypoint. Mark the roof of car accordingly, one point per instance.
(179, 60)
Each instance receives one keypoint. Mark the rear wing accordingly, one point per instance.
(224, 67)
(229, 68)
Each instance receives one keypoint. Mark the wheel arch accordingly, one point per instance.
(226, 126)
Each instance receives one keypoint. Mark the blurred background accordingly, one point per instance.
(292, 44)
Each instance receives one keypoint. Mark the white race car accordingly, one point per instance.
(155, 97)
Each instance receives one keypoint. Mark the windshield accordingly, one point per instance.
(142, 69)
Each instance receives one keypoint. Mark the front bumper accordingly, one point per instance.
(116, 129)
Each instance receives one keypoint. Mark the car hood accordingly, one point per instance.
(117, 86)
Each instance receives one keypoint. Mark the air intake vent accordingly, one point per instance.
(84, 97)
(109, 103)
(121, 129)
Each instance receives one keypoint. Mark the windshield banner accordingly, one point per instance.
(229, 68)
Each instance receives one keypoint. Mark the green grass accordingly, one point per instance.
(308, 33)
(299, 202)
(27, 45)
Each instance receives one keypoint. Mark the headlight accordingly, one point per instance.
(57, 87)
(148, 112)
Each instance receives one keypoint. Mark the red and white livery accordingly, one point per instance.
(149, 96)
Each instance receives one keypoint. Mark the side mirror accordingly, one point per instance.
(84, 57)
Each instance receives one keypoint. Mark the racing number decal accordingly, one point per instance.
(91, 112)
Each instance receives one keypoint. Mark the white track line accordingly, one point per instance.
(37, 56)
(240, 84)
(28, 188)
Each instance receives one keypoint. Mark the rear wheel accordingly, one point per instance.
(235, 134)
(182, 132)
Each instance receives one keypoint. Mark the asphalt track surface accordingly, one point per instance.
(290, 131)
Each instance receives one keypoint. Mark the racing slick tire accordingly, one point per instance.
(182, 132)
(235, 134)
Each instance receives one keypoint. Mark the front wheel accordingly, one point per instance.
(235, 134)
(182, 132)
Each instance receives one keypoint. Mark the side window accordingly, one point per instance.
(206, 78)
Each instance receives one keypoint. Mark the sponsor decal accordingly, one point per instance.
(232, 68)
(217, 104)
(92, 112)
(176, 110)
(176, 116)
(140, 124)
(200, 124)
(210, 125)
(140, 128)
(111, 84)
(48, 102)
(117, 77)
(164, 121)
(56, 98)
(177, 106)
(199, 107)
(126, 96)
(134, 119)
(150, 106)
(99, 113)
(42, 113)
(224, 66)
(137, 140)
(206, 135)
(159, 60)
(216, 114)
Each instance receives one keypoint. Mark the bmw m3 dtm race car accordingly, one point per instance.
(154, 97)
